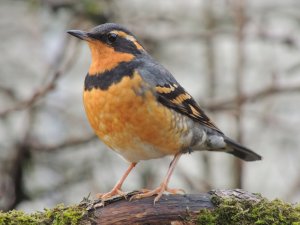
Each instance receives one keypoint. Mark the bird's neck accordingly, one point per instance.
(105, 58)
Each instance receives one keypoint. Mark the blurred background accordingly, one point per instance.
(240, 59)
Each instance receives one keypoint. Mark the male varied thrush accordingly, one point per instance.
(138, 109)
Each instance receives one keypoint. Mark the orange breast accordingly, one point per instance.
(128, 119)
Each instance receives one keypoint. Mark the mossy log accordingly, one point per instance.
(220, 207)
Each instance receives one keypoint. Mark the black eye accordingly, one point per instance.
(112, 37)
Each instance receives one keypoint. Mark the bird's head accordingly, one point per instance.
(110, 44)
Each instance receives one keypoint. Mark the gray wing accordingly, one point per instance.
(171, 94)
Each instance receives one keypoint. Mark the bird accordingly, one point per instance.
(140, 111)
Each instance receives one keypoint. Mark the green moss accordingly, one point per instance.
(206, 217)
(231, 211)
(15, 217)
(59, 215)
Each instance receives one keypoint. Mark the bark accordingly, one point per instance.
(217, 207)
(170, 208)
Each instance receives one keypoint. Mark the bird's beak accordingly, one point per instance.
(79, 34)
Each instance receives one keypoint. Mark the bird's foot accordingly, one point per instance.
(115, 191)
(159, 191)
(175, 191)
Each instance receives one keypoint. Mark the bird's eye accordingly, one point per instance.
(112, 37)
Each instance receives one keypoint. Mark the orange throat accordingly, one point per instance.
(105, 58)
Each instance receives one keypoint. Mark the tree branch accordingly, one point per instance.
(167, 209)
(251, 97)
(66, 144)
(47, 88)
(218, 207)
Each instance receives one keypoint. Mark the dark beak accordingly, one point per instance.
(79, 34)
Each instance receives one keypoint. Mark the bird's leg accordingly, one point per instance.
(164, 185)
(117, 188)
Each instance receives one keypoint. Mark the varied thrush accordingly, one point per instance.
(138, 109)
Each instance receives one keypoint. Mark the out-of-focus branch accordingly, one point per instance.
(259, 95)
(11, 188)
(68, 143)
(46, 88)
(38, 94)
(240, 20)
(210, 61)
(8, 92)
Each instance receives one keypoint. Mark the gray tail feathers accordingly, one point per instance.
(240, 151)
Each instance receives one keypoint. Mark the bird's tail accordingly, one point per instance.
(240, 151)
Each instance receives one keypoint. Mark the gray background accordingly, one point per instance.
(216, 49)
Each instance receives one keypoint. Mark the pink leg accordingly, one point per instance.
(164, 185)
(117, 188)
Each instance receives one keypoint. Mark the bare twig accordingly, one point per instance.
(8, 92)
(12, 187)
(211, 78)
(266, 92)
(240, 19)
(45, 89)
(38, 94)
(68, 143)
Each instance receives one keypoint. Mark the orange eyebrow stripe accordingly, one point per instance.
(129, 37)
(138, 46)
(120, 33)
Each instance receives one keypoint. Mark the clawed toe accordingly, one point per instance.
(175, 190)
(112, 193)
(157, 191)
(147, 193)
